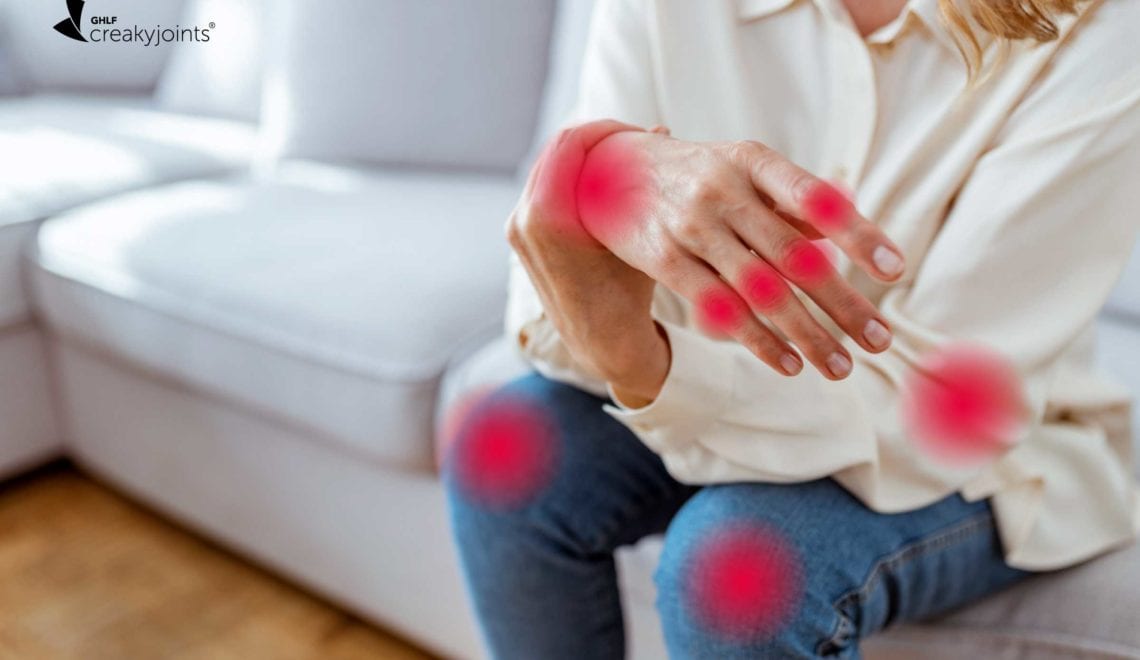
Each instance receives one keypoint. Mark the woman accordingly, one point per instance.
(988, 147)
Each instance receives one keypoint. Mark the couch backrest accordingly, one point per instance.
(432, 83)
(568, 45)
(43, 59)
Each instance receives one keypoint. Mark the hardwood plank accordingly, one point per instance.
(86, 573)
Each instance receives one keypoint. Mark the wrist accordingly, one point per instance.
(637, 382)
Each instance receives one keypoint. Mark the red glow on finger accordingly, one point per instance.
(743, 583)
(505, 452)
(826, 207)
(828, 249)
(806, 263)
(610, 189)
(964, 404)
(764, 288)
(720, 312)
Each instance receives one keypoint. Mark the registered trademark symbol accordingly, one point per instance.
(211, 24)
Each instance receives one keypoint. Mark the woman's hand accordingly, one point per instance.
(728, 226)
(599, 304)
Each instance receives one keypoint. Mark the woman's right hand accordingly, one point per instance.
(727, 226)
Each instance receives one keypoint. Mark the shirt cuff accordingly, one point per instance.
(697, 389)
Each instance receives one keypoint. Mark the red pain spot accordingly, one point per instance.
(453, 421)
(765, 288)
(743, 583)
(826, 207)
(806, 263)
(505, 452)
(964, 404)
(720, 312)
(828, 249)
(610, 189)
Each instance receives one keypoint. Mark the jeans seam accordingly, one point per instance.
(904, 554)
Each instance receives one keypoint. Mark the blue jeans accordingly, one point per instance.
(542, 576)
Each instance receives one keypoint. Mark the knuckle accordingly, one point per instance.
(800, 184)
(756, 340)
(848, 306)
(512, 231)
(669, 262)
(565, 135)
(690, 233)
(707, 192)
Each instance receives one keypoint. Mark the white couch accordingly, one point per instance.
(256, 330)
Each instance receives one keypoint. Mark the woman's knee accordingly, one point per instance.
(734, 581)
(522, 459)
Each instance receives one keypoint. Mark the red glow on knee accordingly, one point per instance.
(610, 189)
(720, 312)
(826, 207)
(743, 583)
(764, 288)
(505, 452)
(807, 263)
(964, 404)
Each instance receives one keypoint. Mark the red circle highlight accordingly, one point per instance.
(610, 189)
(505, 453)
(826, 207)
(807, 263)
(764, 288)
(743, 583)
(964, 404)
(720, 311)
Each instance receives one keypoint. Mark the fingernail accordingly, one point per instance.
(838, 364)
(791, 364)
(887, 261)
(877, 334)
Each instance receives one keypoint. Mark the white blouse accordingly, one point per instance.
(1015, 201)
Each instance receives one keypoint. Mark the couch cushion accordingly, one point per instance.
(62, 151)
(327, 298)
(224, 78)
(452, 83)
(14, 308)
(48, 60)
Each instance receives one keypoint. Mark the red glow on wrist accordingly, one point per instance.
(611, 187)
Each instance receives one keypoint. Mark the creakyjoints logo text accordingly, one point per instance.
(108, 29)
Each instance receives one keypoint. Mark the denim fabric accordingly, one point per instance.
(542, 575)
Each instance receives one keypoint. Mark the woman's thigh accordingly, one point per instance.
(806, 570)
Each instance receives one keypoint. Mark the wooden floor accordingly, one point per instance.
(85, 573)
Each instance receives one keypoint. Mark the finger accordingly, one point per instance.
(825, 207)
(808, 268)
(661, 130)
(720, 310)
(806, 228)
(767, 292)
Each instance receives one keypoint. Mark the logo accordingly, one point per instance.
(102, 30)
(69, 27)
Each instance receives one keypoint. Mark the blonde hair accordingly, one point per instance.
(1009, 20)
